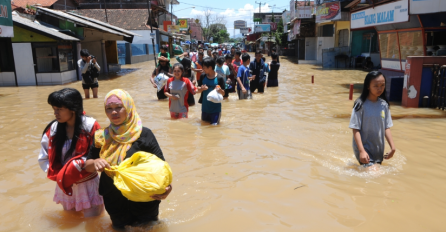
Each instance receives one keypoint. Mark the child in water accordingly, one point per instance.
(65, 145)
(371, 122)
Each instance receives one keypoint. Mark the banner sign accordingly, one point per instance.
(262, 28)
(296, 27)
(328, 11)
(273, 26)
(245, 30)
(304, 12)
(395, 12)
(6, 28)
(173, 28)
(239, 24)
(292, 9)
(183, 24)
(427, 6)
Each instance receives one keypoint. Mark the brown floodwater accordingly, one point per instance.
(280, 162)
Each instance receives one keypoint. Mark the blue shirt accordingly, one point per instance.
(208, 106)
(243, 74)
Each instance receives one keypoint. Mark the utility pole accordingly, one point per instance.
(106, 17)
(149, 5)
(260, 6)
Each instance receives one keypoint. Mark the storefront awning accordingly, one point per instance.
(85, 23)
(32, 26)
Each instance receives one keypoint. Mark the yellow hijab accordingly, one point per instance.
(116, 140)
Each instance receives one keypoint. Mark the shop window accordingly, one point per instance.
(6, 58)
(411, 44)
(139, 49)
(388, 44)
(325, 31)
(66, 61)
(46, 57)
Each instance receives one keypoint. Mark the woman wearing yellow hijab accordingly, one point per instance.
(120, 140)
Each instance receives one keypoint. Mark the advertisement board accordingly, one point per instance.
(239, 24)
(427, 6)
(273, 26)
(183, 24)
(296, 27)
(245, 30)
(262, 28)
(395, 12)
(292, 9)
(328, 11)
(6, 28)
(285, 20)
(304, 12)
(173, 28)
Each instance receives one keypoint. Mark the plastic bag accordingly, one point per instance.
(215, 97)
(161, 80)
(141, 176)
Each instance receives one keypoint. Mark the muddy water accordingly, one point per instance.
(280, 162)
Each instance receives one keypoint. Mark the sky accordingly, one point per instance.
(231, 9)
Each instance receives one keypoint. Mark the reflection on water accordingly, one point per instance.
(247, 173)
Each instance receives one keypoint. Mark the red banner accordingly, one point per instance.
(328, 11)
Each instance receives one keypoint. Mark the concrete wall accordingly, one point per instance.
(142, 58)
(7, 79)
(323, 43)
(56, 78)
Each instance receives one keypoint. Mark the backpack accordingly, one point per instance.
(91, 74)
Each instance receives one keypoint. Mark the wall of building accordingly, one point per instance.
(7, 79)
(24, 64)
(323, 43)
(310, 48)
(94, 48)
(341, 25)
(56, 78)
(23, 35)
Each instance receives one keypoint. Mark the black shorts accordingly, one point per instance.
(260, 86)
(92, 86)
(160, 94)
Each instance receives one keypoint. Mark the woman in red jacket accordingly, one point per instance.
(65, 145)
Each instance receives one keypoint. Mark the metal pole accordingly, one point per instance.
(106, 17)
(151, 29)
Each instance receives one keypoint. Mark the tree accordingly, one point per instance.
(211, 24)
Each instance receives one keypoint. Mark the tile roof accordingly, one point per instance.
(52, 33)
(23, 3)
(128, 19)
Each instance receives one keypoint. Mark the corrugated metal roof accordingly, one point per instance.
(104, 24)
(45, 30)
(77, 20)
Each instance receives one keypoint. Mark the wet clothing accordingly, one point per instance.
(84, 68)
(244, 74)
(208, 106)
(258, 69)
(273, 74)
(371, 120)
(178, 115)
(213, 118)
(72, 181)
(180, 88)
(164, 69)
(121, 210)
(90, 86)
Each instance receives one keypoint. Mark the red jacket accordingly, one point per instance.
(72, 172)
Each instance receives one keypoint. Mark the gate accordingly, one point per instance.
(438, 95)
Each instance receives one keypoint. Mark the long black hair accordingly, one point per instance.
(187, 63)
(365, 90)
(72, 100)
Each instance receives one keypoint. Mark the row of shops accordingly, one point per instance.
(349, 34)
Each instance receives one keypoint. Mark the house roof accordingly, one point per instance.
(128, 19)
(43, 3)
(83, 22)
(33, 26)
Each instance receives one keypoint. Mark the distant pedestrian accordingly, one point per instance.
(210, 111)
(166, 70)
(222, 71)
(198, 66)
(371, 122)
(90, 69)
(233, 51)
(177, 89)
(257, 68)
(187, 65)
(243, 78)
(232, 78)
(237, 61)
(274, 50)
(274, 72)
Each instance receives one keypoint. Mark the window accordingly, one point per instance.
(343, 38)
(46, 57)
(411, 44)
(6, 58)
(121, 53)
(66, 61)
(388, 44)
(139, 49)
(325, 31)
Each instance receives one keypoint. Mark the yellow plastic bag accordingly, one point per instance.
(141, 176)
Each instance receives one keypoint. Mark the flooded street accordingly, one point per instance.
(280, 162)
